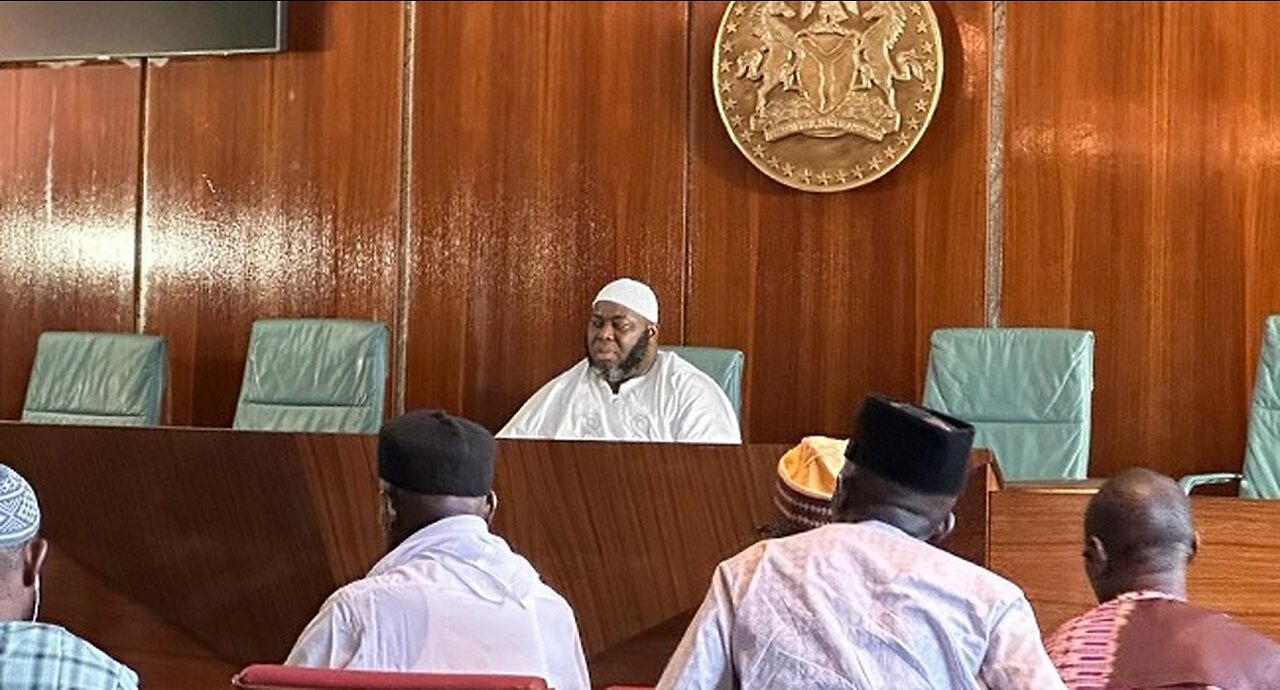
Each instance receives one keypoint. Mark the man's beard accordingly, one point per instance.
(626, 368)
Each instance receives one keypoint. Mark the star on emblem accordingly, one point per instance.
(915, 9)
(928, 65)
(787, 170)
(922, 28)
(773, 160)
(725, 86)
(823, 178)
(889, 152)
(921, 105)
(804, 176)
(903, 139)
(857, 171)
(732, 103)
(874, 162)
(758, 150)
(739, 11)
(727, 46)
(927, 86)
(736, 120)
(913, 123)
(926, 48)
(731, 27)
(747, 135)
(841, 177)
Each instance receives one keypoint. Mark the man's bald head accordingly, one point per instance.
(1139, 529)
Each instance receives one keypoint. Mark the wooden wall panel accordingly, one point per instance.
(68, 162)
(833, 296)
(1140, 196)
(271, 190)
(548, 158)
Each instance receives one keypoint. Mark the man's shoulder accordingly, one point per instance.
(54, 642)
(685, 375)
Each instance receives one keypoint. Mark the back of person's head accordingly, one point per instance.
(1138, 534)
(433, 466)
(906, 467)
(22, 551)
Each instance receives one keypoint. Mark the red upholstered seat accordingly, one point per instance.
(273, 677)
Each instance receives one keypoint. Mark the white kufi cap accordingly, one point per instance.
(633, 295)
(19, 511)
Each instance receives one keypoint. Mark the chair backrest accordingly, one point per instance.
(321, 375)
(273, 677)
(1028, 392)
(723, 365)
(109, 379)
(1262, 446)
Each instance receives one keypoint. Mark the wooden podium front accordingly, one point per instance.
(189, 553)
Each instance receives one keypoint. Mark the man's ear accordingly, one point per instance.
(33, 560)
(1095, 555)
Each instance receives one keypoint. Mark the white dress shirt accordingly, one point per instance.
(672, 402)
(859, 605)
(451, 598)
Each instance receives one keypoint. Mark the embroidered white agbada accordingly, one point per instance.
(672, 402)
(451, 598)
(859, 605)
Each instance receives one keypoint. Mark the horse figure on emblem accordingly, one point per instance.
(877, 65)
(773, 64)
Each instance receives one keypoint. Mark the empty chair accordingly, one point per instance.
(1028, 391)
(272, 677)
(320, 375)
(110, 379)
(723, 365)
(1261, 475)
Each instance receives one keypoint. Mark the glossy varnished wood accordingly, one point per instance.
(271, 190)
(630, 533)
(1140, 195)
(548, 158)
(1036, 541)
(68, 169)
(233, 538)
(163, 653)
(834, 295)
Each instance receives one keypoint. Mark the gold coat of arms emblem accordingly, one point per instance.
(827, 96)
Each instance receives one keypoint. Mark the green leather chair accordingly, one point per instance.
(319, 375)
(723, 365)
(105, 379)
(1261, 475)
(1027, 391)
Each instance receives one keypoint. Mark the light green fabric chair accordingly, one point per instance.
(106, 379)
(319, 375)
(1261, 476)
(1028, 392)
(723, 365)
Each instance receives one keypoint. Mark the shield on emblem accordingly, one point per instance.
(826, 69)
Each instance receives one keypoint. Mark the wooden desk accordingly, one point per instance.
(1036, 541)
(188, 553)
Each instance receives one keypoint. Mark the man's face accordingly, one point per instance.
(617, 341)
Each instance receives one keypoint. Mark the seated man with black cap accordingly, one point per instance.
(450, 596)
(866, 601)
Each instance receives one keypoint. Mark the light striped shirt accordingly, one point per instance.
(39, 656)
